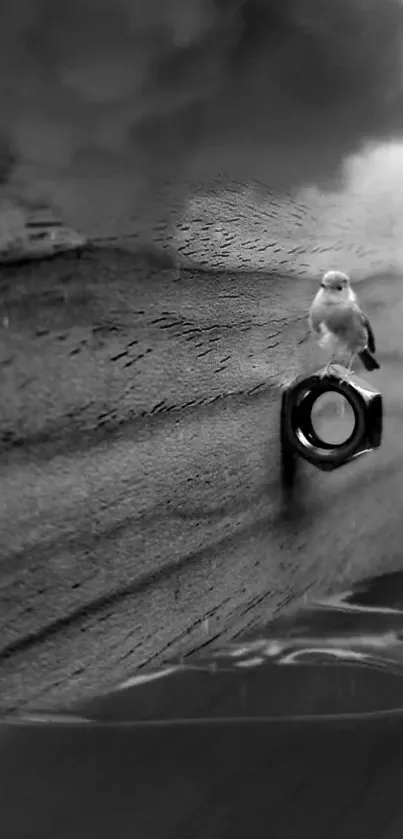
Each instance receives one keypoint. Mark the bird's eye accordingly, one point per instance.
(339, 287)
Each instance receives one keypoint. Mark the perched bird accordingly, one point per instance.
(341, 326)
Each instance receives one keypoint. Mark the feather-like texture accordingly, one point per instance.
(371, 336)
(339, 323)
(346, 323)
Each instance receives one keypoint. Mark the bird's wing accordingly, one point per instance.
(371, 336)
(315, 318)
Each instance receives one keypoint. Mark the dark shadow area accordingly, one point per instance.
(297, 729)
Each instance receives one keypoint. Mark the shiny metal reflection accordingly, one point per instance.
(333, 418)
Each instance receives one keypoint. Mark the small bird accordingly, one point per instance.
(341, 326)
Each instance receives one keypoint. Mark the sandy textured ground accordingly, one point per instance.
(140, 505)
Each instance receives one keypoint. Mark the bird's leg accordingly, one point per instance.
(349, 369)
(342, 408)
(327, 368)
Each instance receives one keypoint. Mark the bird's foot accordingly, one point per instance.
(347, 375)
(326, 371)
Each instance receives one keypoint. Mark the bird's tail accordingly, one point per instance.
(369, 361)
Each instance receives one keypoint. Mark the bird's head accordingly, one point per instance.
(336, 284)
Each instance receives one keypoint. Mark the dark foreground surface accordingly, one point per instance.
(296, 731)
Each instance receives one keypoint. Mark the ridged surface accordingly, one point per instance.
(140, 503)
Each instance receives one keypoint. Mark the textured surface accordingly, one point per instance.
(228, 224)
(140, 504)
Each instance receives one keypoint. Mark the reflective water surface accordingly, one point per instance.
(293, 731)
